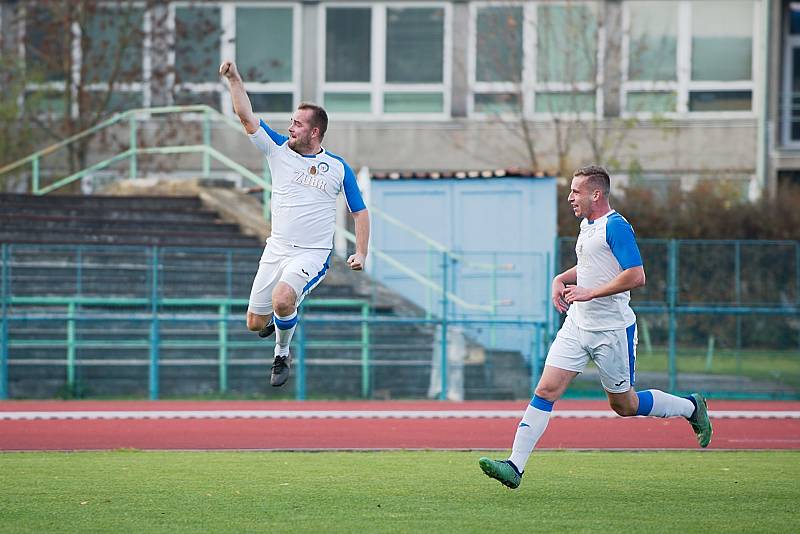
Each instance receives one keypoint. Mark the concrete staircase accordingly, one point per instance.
(107, 246)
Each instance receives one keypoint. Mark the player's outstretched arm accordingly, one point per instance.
(357, 260)
(241, 102)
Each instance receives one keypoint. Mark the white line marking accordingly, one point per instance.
(355, 414)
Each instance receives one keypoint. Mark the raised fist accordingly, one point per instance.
(228, 70)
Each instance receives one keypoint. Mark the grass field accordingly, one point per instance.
(366, 492)
(774, 366)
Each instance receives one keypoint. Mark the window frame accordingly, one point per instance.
(530, 86)
(378, 87)
(683, 86)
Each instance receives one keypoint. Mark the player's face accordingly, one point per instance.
(580, 196)
(300, 131)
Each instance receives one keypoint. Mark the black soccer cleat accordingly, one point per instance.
(280, 370)
(268, 330)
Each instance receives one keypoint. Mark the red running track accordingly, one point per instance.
(319, 431)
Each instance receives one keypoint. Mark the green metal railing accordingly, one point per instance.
(692, 279)
(76, 309)
(145, 302)
(209, 153)
(73, 310)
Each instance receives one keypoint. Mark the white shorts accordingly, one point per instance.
(302, 268)
(613, 351)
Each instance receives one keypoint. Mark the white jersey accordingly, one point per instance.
(304, 191)
(605, 248)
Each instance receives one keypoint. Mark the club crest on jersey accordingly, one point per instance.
(312, 171)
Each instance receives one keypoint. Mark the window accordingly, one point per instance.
(45, 51)
(264, 42)
(265, 55)
(683, 56)
(198, 37)
(386, 60)
(790, 90)
(535, 58)
(103, 56)
(115, 40)
(348, 59)
(722, 51)
(652, 50)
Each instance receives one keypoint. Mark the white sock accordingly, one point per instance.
(284, 330)
(530, 429)
(656, 403)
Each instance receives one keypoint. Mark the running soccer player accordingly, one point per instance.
(306, 179)
(600, 325)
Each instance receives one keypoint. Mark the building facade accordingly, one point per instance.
(658, 90)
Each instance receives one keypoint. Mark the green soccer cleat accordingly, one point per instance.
(700, 422)
(502, 471)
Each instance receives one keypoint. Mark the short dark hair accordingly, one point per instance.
(597, 178)
(319, 118)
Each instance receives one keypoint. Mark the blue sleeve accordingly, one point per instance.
(620, 238)
(351, 192)
(277, 138)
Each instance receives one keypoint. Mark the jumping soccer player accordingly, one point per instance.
(306, 179)
(600, 326)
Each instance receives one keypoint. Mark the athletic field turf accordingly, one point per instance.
(366, 492)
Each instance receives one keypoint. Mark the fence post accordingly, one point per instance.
(229, 274)
(35, 175)
(155, 341)
(223, 347)
(4, 332)
(71, 348)
(428, 289)
(207, 144)
(445, 305)
(365, 386)
(300, 385)
(672, 298)
(493, 304)
(133, 171)
(737, 266)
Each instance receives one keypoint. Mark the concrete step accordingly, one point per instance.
(131, 237)
(162, 203)
(102, 224)
(174, 215)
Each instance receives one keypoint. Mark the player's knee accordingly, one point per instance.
(254, 322)
(283, 300)
(547, 392)
(283, 307)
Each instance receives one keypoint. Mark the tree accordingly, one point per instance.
(565, 83)
(17, 138)
(85, 60)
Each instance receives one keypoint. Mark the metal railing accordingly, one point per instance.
(74, 310)
(110, 285)
(209, 153)
(153, 313)
(692, 285)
